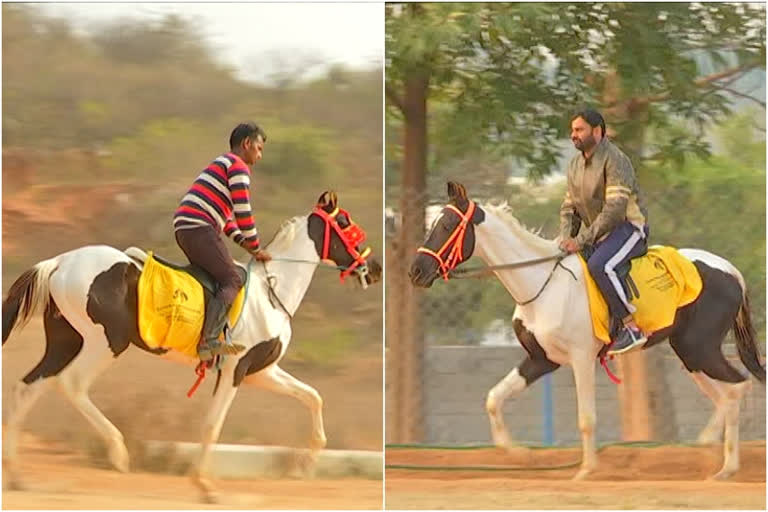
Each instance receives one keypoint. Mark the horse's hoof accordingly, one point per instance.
(707, 439)
(582, 474)
(305, 464)
(210, 497)
(723, 474)
(14, 484)
(120, 460)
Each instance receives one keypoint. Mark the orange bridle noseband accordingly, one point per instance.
(352, 236)
(454, 246)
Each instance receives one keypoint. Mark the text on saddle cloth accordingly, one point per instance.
(665, 280)
(172, 308)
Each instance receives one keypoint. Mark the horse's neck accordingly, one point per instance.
(291, 278)
(498, 243)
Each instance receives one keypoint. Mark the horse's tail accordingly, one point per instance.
(745, 340)
(27, 294)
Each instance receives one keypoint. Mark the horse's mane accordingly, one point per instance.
(504, 213)
(285, 235)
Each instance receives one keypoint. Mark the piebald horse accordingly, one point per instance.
(90, 316)
(552, 319)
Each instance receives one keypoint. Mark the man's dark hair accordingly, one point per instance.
(243, 131)
(592, 117)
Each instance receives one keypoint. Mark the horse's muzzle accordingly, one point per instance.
(374, 271)
(419, 277)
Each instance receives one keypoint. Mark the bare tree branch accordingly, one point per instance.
(746, 96)
(700, 82)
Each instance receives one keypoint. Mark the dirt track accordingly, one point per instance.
(57, 478)
(669, 477)
(144, 397)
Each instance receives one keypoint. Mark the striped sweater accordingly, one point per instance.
(219, 197)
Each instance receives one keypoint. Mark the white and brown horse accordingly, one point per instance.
(89, 296)
(552, 319)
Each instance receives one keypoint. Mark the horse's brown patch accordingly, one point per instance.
(257, 358)
(113, 302)
(62, 344)
(537, 363)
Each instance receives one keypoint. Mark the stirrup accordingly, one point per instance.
(636, 342)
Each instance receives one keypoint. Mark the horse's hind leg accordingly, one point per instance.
(699, 348)
(25, 396)
(62, 345)
(514, 382)
(75, 381)
(76, 378)
(713, 431)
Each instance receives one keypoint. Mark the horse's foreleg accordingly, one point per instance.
(711, 388)
(515, 381)
(584, 375)
(211, 431)
(279, 381)
(25, 396)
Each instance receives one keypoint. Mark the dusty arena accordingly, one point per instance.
(57, 478)
(628, 477)
(63, 464)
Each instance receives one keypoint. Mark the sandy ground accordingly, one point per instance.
(668, 477)
(56, 478)
(62, 459)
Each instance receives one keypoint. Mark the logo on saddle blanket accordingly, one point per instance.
(172, 308)
(665, 281)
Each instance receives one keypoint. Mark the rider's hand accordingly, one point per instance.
(569, 245)
(261, 255)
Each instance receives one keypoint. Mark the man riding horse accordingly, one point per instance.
(603, 209)
(218, 201)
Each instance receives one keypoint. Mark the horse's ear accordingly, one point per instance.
(456, 191)
(327, 200)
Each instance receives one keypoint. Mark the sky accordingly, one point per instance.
(259, 40)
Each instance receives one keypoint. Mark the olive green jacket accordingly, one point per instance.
(602, 193)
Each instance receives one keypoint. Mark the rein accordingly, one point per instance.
(486, 271)
(271, 282)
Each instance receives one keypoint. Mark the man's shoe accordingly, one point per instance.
(208, 349)
(629, 339)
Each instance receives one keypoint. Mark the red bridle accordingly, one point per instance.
(352, 236)
(455, 243)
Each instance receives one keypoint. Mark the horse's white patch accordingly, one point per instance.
(714, 261)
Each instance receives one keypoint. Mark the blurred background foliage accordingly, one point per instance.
(104, 131)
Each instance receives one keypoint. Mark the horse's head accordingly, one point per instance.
(337, 239)
(450, 241)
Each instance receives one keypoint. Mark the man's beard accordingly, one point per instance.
(585, 145)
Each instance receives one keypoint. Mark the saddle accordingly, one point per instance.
(205, 279)
(657, 284)
(172, 300)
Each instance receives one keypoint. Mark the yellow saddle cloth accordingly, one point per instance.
(665, 280)
(172, 308)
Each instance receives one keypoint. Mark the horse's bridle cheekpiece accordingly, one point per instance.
(352, 236)
(455, 243)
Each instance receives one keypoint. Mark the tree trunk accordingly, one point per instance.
(407, 355)
(645, 395)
